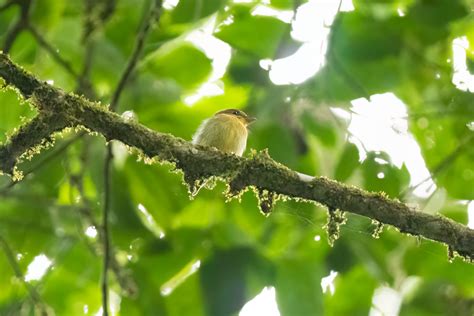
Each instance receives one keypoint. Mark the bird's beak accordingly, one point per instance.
(250, 119)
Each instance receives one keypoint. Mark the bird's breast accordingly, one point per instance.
(223, 132)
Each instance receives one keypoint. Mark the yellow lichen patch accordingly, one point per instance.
(336, 218)
(378, 229)
(266, 200)
(17, 175)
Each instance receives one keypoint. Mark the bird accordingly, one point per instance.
(226, 131)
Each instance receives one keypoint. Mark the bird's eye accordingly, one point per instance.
(235, 112)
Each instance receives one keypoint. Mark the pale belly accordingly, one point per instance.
(225, 135)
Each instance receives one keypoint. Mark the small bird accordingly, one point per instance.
(226, 131)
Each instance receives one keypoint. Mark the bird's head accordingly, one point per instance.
(237, 114)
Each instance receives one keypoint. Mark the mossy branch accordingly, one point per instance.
(62, 109)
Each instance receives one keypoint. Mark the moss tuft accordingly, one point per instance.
(336, 218)
(378, 229)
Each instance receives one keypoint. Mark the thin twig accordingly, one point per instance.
(85, 87)
(107, 10)
(85, 210)
(105, 229)
(53, 52)
(137, 50)
(12, 35)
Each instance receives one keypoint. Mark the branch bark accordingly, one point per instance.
(198, 163)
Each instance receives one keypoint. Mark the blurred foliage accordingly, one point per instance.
(206, 256)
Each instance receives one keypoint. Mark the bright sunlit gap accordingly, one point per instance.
(470, 215)
(150, 222)
(381, 125)
(470, 125)
(462, 78)
(283, 15)
(387, 301)
(168, 287)
(311, 26)
(327, 283)
(170, 4)
(262, 304)
(37, 268)
(91, 232)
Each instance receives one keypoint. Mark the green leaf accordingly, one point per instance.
(244, 68)
(348, 162)
(186, 299)
(159, 191)
(226, 277)
(278, 140)
(446, 142)
(200, 214)
(106, 71)
(458, 176)
(47, 13)
(282, 4)
(324, 131)
(25, 49)
(298, 286)
(121, 32)
(192, 10)
(354, 38)
(62, 281)
(11, 112)
(259, 35)
(182, 62)
(470, 64)
(353, 293)
(146, 93)
(381, 175)
(428, 297)
(457, 212)
(433, 19)
(457, 273)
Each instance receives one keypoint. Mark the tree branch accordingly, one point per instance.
(28, 139)
(197, 163)
(61, 148)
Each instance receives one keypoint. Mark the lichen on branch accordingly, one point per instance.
(59, 110)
